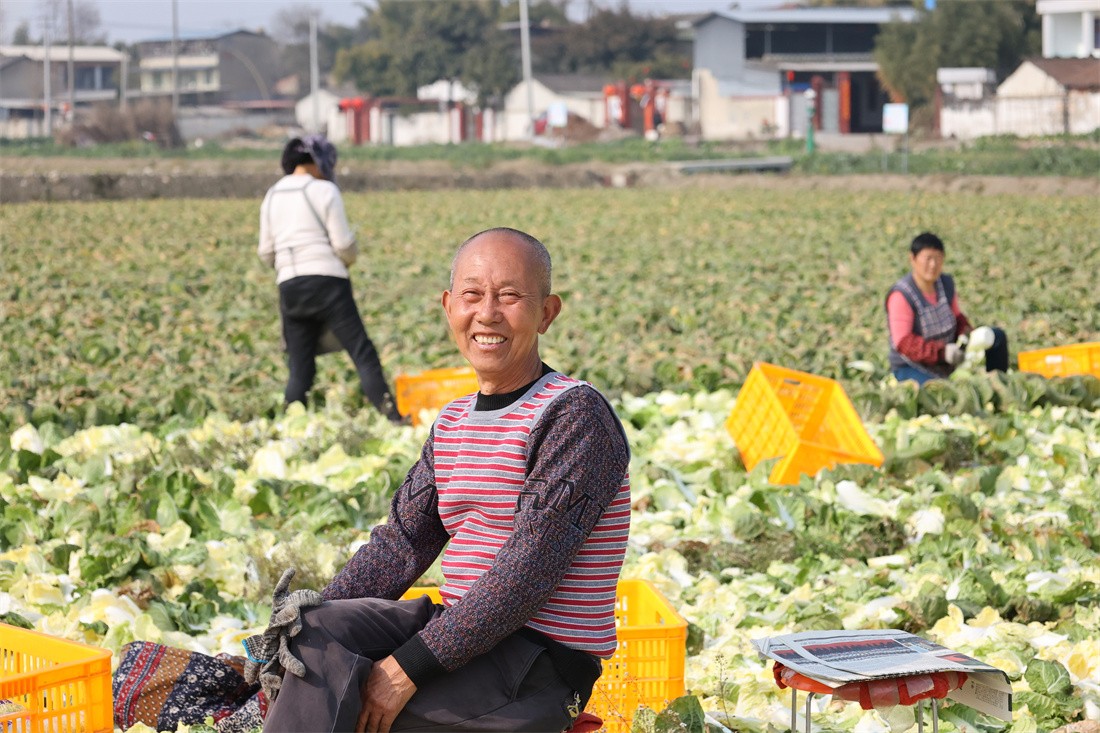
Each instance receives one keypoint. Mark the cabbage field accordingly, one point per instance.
(153, 487)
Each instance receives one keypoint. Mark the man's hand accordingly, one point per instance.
(953, 354)
(384, 695)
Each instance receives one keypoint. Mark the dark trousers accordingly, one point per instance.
(996, 356)
(513, 687)
(308, 305)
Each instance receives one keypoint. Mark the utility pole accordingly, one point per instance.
(525, 53)
(314, 71)
(47, 91)
(72, 77)
(122, 82)
(175, 60)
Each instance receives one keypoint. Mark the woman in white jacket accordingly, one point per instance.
(304, 235)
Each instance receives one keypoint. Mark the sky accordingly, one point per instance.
(133, 20)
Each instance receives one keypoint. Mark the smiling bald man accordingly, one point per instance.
(523, 487)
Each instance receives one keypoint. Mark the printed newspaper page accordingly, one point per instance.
(836, 658)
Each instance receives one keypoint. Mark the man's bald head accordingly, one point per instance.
(540, 255)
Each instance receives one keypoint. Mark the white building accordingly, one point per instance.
(320, 112)
(1042, 97)
(1050, 97)
(1071, 28)
(967, 107)
(579, 94)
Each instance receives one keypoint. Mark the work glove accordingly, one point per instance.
(269, 655)
(953, 354)
(981, 338)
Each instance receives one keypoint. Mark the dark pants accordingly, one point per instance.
(996, 356)
(514, 687)
(308, 305)
(996, 360)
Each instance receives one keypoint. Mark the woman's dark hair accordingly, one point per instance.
(294, 156)
(292, 161)
(925, 240)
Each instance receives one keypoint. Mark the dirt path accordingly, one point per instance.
(85, 179)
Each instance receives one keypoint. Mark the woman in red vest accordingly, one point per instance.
(927, 326)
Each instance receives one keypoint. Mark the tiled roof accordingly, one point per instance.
(1071, 73)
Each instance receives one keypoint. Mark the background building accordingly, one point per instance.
(752, 68)
(97, 76)
(1071, 28)
(241, 66)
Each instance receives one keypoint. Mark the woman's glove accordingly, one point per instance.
(954, 354)
(269, 655)
(981, 338)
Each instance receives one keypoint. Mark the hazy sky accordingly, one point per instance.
(132, 20)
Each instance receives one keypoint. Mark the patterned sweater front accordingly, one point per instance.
(534, 501)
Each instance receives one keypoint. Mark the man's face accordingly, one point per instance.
(496, 311)
(927, 265)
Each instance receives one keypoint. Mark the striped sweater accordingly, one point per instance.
(534, 501)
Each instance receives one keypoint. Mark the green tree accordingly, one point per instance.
(370, 67)
(409, 44)
(543, 13)
(994, 34)
(22, 35)
(493, 68)
(618, 43)
(412, 44)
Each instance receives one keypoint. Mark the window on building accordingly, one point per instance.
(85, 77)
(784, 39)
(799, 39)
(854, 37)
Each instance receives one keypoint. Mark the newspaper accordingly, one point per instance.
(836, 658)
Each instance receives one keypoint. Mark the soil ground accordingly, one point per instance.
(66, 179)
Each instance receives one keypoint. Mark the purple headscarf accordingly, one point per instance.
(319, 149)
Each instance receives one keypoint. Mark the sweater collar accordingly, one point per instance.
(486, 402)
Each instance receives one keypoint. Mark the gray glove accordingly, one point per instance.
(954, 354)
(269, 655)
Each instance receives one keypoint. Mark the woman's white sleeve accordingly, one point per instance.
(266, 248)
(339, 232)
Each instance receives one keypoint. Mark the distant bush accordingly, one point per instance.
(146, 121)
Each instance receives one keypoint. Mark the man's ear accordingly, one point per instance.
(551, 307)
(446, 299)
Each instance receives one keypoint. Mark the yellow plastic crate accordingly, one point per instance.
(648, 666)
(433, 389)
(805, 419)
(56, 685)
(1062, 361)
